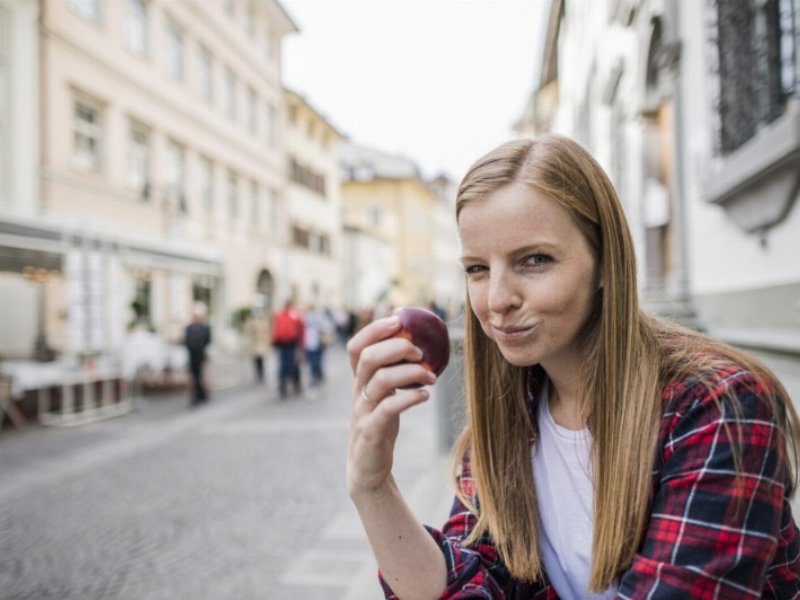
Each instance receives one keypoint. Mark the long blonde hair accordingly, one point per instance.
(627, 359)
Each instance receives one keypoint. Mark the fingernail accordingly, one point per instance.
(392, 321)
(424, 393)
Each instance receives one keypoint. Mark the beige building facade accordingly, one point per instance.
(314, 251)
(161, 165)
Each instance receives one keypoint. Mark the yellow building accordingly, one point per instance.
(314, 206)
(387, 204)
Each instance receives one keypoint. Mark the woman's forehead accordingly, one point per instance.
(518, 210)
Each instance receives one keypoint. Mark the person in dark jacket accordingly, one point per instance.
(197, 337)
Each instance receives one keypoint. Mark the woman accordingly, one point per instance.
(607, 453)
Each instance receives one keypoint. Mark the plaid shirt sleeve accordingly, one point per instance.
(712, 535)
(475, 571)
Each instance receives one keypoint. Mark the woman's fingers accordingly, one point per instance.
(386, 353)
(383, 363)
(386, 380)
(376, 331)
(391, 406)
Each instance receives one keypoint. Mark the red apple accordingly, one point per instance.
(428, 333)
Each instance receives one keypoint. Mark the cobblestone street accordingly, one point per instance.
(243, 498)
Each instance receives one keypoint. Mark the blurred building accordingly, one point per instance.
(148, 170)
(313, 270)
(449, 290)
(692, 107)
(394, 250)
(22, 247)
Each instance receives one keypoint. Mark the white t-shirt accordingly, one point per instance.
(562, 473)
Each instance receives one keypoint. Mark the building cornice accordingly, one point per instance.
(54, 235)
(757, 184)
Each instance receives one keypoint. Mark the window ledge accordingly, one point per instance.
(771, 340)
(757, 184)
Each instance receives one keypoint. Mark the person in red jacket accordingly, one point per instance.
(287, 338)
(607, 453)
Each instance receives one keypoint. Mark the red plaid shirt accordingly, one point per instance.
(697, 545)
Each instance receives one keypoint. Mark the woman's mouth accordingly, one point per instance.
(512, 333)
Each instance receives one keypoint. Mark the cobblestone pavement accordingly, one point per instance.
(242, 498)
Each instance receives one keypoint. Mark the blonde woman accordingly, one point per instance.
(607, 454)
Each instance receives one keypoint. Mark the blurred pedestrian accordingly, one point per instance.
(342, 319)
(257, 336)
(439, 311)
(319, 333)
(197, 337)
(287, 338)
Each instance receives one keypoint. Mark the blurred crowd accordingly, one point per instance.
(298, 338)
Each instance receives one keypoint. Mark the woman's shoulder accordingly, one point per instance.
(718, 385)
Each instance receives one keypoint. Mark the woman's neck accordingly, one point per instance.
(564, 401)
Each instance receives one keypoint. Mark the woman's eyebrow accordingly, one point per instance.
(542, 246)
(534, 248)
(465, 259)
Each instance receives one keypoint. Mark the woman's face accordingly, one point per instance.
(531, 275)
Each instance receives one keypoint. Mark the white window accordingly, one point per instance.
(136, 27)
(88, 9)
(314, 242)
(375, 215)
(233, 195)
(176, 176)
(174, 36)
(255, 204)
(205, 77)
(273, 210)
(269, 43)
(87, 135)
(252, 110)
(275, 51)
(138, 170)
(207, 183)
(272, 124)
(178, 295)
(230, 94)
(251, 20)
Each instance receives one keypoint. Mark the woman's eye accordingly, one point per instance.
(474, 269)
(538, 260)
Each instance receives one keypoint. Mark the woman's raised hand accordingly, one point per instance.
(382, 365)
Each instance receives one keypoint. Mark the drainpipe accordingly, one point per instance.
(688, 315)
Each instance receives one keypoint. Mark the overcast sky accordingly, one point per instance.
(439, 81)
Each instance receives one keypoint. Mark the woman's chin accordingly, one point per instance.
(518, 359)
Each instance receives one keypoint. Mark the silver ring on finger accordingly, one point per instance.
(364, 396)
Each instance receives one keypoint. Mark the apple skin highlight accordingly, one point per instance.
(428, 333)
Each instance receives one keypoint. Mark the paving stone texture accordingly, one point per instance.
(243, 498)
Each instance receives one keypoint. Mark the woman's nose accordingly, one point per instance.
(503, 293)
